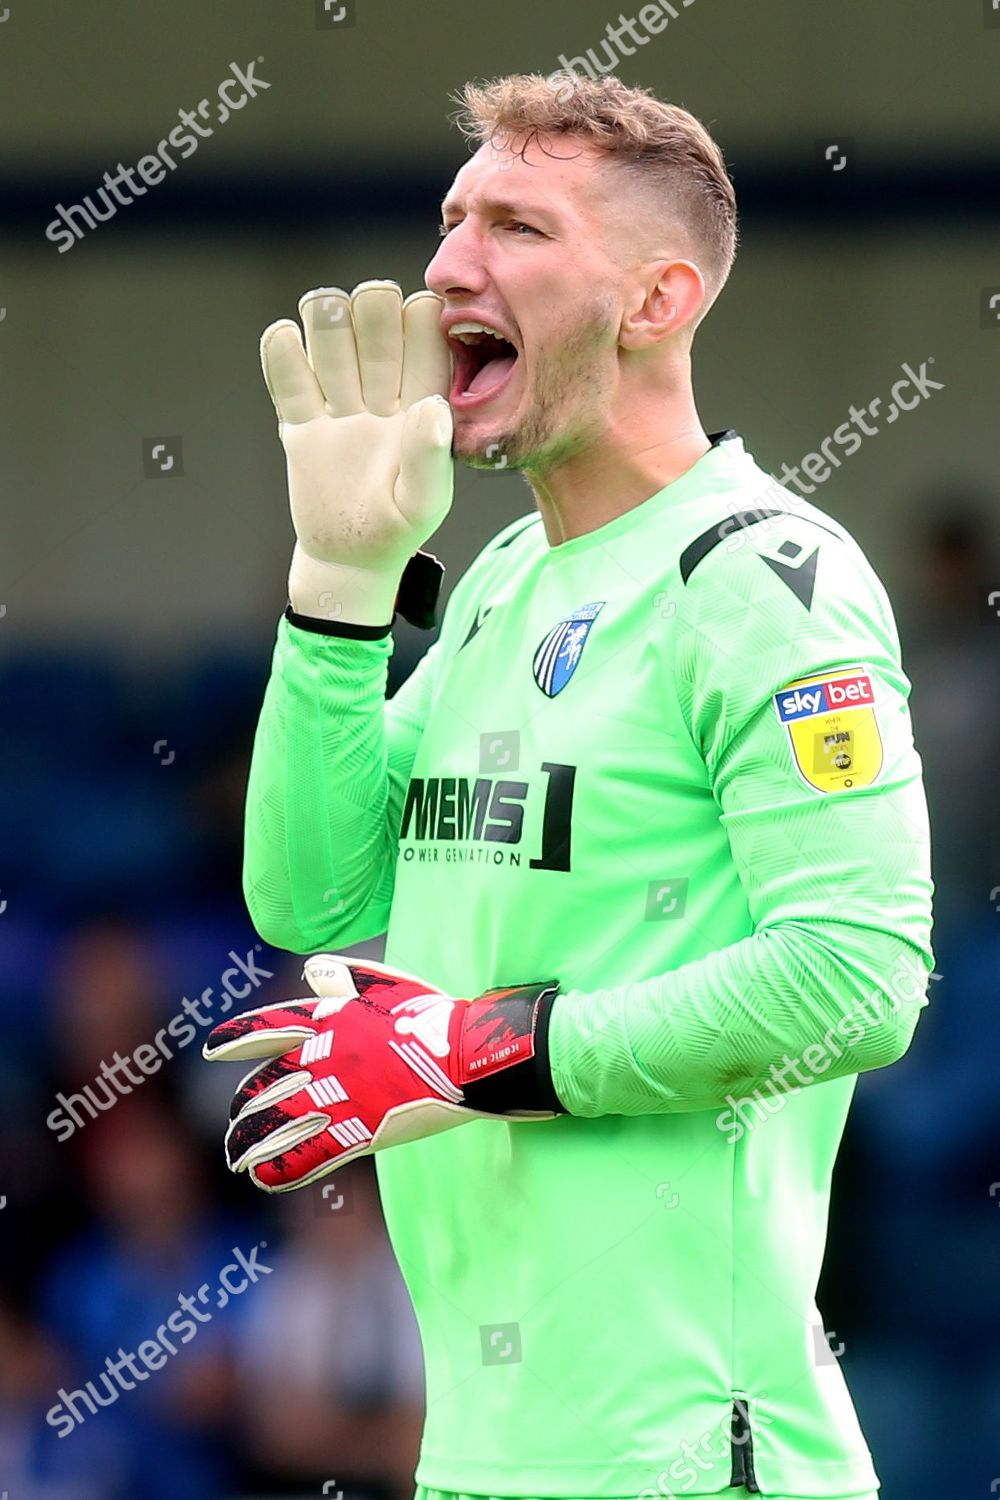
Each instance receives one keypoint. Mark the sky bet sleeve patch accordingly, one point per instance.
(832, 727)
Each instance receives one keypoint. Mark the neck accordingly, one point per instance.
(628, 462)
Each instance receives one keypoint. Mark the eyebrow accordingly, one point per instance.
(498, 206)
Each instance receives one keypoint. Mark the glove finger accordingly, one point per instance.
(272, 1182)
(426, 356)
(265, 1032)
(423, 490)
(299, 1165)
(289, 377)
(376, 307)
(271, 1083)
(339, 980)
(329, 976)
(365, 972)
(326, 318)
(267, 1134)
(371, 982)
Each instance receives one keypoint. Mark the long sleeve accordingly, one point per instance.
(834, 868)
(330, 764)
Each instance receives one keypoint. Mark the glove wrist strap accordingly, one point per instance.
(504, 1055)
(415, 599)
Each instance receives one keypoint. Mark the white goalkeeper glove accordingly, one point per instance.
(367, 431)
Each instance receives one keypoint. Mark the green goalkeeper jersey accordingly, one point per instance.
(669, 764)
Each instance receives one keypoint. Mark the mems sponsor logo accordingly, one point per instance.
(456, 818)
(458, 807)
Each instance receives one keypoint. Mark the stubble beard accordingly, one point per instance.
(571, 388)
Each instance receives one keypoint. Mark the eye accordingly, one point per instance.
(516, 224)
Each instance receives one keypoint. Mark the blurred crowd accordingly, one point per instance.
(120, 896)
(120, 901)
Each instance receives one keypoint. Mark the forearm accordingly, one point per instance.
(785, 1008)
(318, 856)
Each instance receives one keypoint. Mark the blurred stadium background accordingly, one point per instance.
(137, 611)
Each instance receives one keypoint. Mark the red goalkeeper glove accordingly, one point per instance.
(380, 1058)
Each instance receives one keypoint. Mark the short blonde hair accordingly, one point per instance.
(660, 146)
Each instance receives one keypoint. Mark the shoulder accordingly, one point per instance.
(773, 595)
(778, 563)
(491, 562)
(528, 526)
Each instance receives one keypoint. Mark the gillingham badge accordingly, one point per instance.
(557, 657)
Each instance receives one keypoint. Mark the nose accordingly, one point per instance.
(456, 270)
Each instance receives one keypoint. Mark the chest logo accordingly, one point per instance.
(559, 653)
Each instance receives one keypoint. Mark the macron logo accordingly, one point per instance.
(824, 697)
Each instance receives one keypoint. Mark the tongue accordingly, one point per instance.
(491, 374)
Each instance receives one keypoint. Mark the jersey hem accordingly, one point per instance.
(636, 1480)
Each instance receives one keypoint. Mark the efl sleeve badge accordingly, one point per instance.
(832, 728)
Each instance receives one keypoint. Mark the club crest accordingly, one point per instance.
(558, 655)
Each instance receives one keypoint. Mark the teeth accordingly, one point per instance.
(461, 329)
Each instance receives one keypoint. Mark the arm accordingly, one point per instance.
(837, 883)
(367, 439)
(330, 765)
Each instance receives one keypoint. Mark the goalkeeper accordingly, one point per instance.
(645, 830)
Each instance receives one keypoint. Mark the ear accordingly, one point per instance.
(668, 299)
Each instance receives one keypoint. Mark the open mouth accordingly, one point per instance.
(484, 362)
